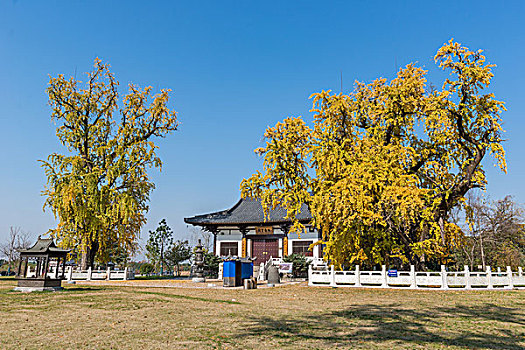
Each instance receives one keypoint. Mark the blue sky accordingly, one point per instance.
(234, 68)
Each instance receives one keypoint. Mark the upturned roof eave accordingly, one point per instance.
(240, 223)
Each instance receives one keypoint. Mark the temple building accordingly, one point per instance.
(243, 231)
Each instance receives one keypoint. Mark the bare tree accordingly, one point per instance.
(495, 233)
(16, 240)
(206, 237)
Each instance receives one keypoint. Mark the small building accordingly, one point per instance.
(243, 231)
(40, 267)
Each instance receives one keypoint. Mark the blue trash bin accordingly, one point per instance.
(246, 269)
(234, 271)
(228, 273)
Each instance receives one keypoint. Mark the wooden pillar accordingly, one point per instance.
(25, 266)
(243, 253)
(38, 267)
(63, 268)
(244, 247)
(19, 271)
(45, 266)
(58, 266)
(320, 238)
(285, 246)
(285, 228)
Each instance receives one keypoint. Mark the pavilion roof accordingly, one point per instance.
(44, 246)
(247, 211)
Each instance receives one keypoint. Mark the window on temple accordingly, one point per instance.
(301, 247)
(229, 248)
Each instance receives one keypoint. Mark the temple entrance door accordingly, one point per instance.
(263, 249)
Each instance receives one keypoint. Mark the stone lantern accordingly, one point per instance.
(199, 263)
(41, 267)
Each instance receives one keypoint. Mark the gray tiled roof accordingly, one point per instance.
(246, 211)
(42, 246)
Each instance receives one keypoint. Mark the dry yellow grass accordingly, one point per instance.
(123, 317)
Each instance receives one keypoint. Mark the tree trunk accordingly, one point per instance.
(88, 257)
(442, 229)
(482, 252)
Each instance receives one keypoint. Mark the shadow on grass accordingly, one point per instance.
(148, 278)
(178, 296)
(81, 289)
(7, 278)
(51, 292)
(485, 326)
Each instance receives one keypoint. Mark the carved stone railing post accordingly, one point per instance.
(413, 276)
(467, 277)
(444, 283)
(489, 278)
(332, 276)
(384, 282)
(509, 276)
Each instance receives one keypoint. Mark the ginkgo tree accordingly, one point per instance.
(99, 187)
(381, 167)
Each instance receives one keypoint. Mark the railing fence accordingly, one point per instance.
(72, 274)
(411, 279)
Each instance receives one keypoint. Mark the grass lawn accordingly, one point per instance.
(297, 317)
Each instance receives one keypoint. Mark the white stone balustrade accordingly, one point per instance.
(89, 274)
(443, 279)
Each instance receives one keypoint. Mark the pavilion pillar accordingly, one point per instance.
(44, 267)
(58, 265)
(38, 267)
(26, 259)
(19, 271)
(63, 268)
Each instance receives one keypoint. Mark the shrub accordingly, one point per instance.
(211, 265)
(146, 269)
(300, 265)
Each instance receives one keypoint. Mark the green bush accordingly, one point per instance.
(146, 269)
(300, 265)
(211, 265)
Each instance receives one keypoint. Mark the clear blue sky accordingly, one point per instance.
(234, 68)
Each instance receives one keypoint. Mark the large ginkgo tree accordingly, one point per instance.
(99, 187)
(382, 167)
